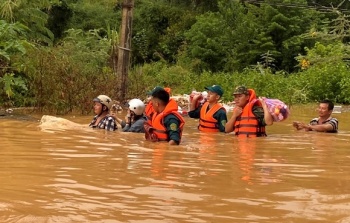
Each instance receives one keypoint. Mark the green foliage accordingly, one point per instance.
(88, 15)
(9, 82)
(13, 37)
(67, 77)
(59, 16)
(159, 31)
(30, 14)
(266, 45)
(12, 45)
(328, 73)
(208, 42)
(144, 78)
(6, 8)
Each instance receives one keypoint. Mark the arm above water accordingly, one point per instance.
(331, 125)
(195, 113)
(230, 125)
(221, 118)
(172, 124)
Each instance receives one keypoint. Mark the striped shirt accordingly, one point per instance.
(332, 121)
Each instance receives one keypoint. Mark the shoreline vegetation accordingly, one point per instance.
(65, 55)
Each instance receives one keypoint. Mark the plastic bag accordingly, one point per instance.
(201, 100)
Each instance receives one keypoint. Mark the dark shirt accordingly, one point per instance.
(259, 114)
(137, 126)
(332, 121)
(220, 116)
(172, 125)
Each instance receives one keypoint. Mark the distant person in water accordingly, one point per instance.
(135, 117)
(102, 119)
(324, 123)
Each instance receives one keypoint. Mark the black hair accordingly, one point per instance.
(329, 102)
(162, 95)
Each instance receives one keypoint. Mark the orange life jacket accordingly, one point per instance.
(207, 122)
(158, 121)
(149, 110)
(247, 125)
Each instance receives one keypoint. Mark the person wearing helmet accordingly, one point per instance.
(102, 119)
(135, 117)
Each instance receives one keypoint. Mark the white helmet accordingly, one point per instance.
(137, 106)
(105, 100)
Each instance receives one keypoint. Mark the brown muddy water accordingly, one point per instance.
(84, 175)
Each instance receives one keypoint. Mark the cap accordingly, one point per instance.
(154, 90)
(241, 90)
(215, 88)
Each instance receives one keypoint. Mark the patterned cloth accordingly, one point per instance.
(107, 123)
(332, 121)
(277, 109)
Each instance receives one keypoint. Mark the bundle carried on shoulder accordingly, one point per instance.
(201, 100)
(278, 109)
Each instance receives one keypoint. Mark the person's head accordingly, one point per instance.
(215, 92)
(136, 106)
(167, 89)
(241, 96)
(160, 98)
(102, 103)
(325, 108)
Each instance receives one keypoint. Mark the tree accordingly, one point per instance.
(208, 42)
(12, 43)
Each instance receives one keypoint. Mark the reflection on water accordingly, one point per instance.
(84, 175)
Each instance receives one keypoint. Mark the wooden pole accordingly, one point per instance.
(124, 49)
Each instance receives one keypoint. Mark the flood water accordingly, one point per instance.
(64, 175)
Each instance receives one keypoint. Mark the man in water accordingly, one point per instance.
(250, 115)
(166, 124)
(212, 115)
(324, 123)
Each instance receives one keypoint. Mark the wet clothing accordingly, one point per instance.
(173, 133)
(332, 121)
(137, 126)
(251, 122)
(149, 110)
(220, 116)
(259, 114)
(167, 125)
(107, 123)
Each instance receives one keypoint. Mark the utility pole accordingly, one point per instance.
(124, 49)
